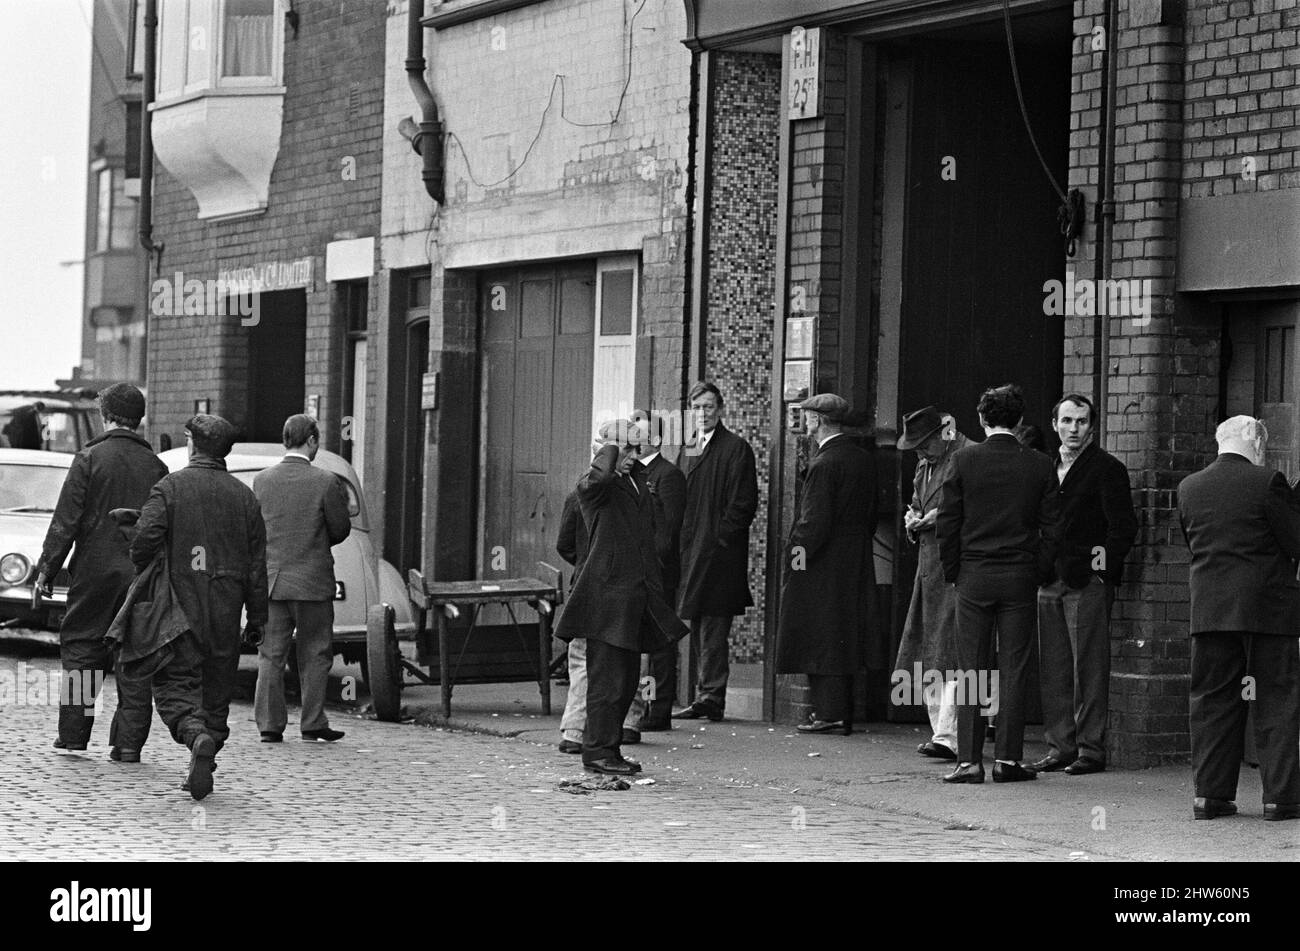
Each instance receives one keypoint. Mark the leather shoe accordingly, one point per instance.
(124, 756)
(936, 750)
(630, 737)
(202, 750)
(842, 727)
(699, 710)
(970, 773)
(1205, 807)
(570, 746)
(271, 736)
(74, 747)
(1277, 811)
(1049, 764)
(1081, 767)
(327, 735)
(1012, 773)
(610, 767)
(636, 767)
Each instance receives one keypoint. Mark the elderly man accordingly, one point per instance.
(1098, 526)
(211, 527)
(306, 513)
(721, 501)
(114, 471)
(929, 640)
(828, 570)
(1242, 525)
(997, 527)
(618, 602)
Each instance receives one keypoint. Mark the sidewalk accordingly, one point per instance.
(1142, 815)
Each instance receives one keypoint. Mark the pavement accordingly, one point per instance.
(486, 784)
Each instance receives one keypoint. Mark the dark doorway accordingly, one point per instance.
(277, 357)
(408, 360)
(1261, 375)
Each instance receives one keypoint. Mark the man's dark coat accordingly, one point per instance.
(721, 501)
(1096, 512)
(667, 485)
(828, 570)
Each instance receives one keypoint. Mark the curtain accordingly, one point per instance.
(249, 43)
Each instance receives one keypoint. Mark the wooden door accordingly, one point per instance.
(1275, 398)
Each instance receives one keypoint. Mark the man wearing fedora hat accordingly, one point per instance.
(930, 632)
(828, 571)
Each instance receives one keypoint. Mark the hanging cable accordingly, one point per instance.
(1024, 112)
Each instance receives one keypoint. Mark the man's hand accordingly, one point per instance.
(44, 585)
(253, 635)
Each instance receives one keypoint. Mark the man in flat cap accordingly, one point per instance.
(114, 470)
(930, 632)
(215, 539)
(828, 574)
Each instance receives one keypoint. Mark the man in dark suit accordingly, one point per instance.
(829, 570)
(1098, 526)
(721, 501)
(667, 487)
(211, 526)
(115, 470)
(1242, 525)
(997, 528)
(618, 602)
(306, 513)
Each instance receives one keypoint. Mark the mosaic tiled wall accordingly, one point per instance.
(741, 281)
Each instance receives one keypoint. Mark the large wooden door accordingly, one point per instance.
(1261, 375)
(537, 327)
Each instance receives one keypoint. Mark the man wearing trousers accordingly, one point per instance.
(721, 501)
(1242, 525)
(305, 509)
(115, 470)
(211, 526)
(1098, 526)
(997, 528)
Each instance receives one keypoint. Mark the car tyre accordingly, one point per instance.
(383, 668)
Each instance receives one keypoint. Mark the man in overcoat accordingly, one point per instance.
(721, 501)
(211, 525)
(998, 526)
(929, 642)
(1242, 526)
(114, 470)
(1098, 526)
(305, 510)
(828, 571)
(618, 602)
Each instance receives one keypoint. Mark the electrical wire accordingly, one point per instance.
(1024, 112)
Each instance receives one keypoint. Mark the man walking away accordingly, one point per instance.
(114, 470)
(1242, 525)
(306, 513)
(212, 529)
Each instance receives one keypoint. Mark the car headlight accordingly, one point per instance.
(14, 568)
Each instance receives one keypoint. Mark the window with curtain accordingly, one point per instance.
(249, 37)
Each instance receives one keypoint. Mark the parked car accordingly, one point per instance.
(30, 481)
(361, 579)
(52, 420)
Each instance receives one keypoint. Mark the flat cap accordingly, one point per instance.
(211, 434)
(833, 407)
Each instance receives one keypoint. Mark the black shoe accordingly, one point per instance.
(1050, 764)
(970, 773)
(654, 726)
(630, 737)
(937, 751)
(1081, 767)
(326, 735)
(202, 749)
(570, 746)
(1277, 811)
(611, 767)
(699, 710)
(124, 756)
(1012, 773)
(843, 727)
(71, 747)
(636, 767)
(271, 736)
(1206, 807)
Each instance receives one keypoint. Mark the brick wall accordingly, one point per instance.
(745, 125)
(339, 49)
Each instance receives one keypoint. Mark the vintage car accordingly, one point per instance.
(53, 420)
(30, 481)
(361, 579)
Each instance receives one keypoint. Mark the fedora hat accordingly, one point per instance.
(919, 426)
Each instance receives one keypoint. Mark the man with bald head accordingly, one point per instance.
(1242, 524)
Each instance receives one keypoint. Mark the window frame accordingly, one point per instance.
(215, 52)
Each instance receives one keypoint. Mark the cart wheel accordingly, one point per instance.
(383, 662)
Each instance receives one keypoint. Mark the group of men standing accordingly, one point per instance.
(163, 567)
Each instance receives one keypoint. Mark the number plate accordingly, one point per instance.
(340, 593)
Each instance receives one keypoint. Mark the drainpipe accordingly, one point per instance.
(427, 142)
(146, 133)
(1104, 261)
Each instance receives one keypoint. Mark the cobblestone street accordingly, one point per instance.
(407, 792)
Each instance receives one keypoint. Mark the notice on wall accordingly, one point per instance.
(805, 73)
(429, 391)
